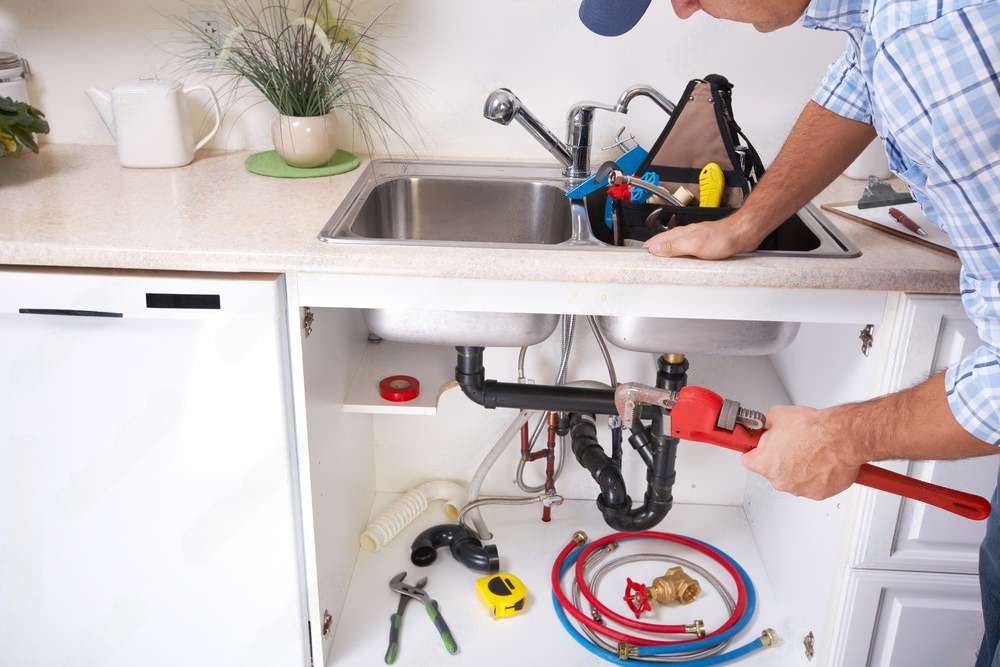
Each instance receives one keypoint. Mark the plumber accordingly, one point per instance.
(922, 75)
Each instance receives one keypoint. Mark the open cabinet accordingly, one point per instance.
(802, 556)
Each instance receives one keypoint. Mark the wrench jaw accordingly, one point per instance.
(630, 396)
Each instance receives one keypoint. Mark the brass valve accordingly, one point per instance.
(676, 584)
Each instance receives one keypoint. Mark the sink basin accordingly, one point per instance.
(454, 204)
(510, 205)
(660, 335)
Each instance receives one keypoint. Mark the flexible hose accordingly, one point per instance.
(743, 586)
(600, 572)
(491, 457)
(746, 602)
(401, 513)
(604, 350)
(549, 499)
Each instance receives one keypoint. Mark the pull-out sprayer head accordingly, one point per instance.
(502, 106)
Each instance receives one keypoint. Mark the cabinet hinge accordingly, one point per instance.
(867, 338)
(307, 321)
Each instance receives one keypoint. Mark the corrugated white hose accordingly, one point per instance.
(477, 480)
(408, 507)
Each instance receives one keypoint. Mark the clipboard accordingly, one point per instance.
(880, 219)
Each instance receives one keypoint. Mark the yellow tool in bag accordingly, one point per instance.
(502, 594)
(712, 185)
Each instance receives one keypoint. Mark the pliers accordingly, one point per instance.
(700, 415)
(406, 593)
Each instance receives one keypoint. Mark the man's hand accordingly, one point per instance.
(802, 453)
(817, 453)
(716, 239)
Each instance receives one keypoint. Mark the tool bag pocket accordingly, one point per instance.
(632, 219)
(701, 130)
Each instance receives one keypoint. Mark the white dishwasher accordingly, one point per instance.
(147, 477)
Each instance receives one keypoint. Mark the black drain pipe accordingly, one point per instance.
(471, 376)
(659, 454)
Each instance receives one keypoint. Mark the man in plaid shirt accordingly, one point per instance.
(924, 75)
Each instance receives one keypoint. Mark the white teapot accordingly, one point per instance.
(149, 121)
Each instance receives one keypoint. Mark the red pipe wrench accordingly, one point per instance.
(701, 415)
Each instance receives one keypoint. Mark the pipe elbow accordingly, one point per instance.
(464, 545)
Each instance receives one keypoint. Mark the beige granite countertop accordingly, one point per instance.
(74, 206)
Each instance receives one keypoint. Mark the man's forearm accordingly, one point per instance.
(817, 453)
(820, 146)
(916, 423)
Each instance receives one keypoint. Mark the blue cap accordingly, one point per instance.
(612, 17)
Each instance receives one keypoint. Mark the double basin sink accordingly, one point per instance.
(504, 205)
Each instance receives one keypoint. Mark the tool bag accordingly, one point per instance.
(701, 130)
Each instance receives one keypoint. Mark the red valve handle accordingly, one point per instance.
(636, 597)
(696, 412)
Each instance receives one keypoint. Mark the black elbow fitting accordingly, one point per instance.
(470, 375)
(463, 543)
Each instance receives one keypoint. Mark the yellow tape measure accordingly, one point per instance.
(502, 594)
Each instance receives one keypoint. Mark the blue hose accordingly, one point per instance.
(667, 649)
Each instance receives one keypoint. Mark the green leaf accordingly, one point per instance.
(19, 122)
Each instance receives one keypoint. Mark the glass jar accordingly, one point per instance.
(13, 71)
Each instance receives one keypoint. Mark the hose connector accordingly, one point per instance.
(696, 628)
(769, 637)
(580, 538)
(627, 651)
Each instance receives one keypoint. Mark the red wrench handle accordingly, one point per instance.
(696, 412)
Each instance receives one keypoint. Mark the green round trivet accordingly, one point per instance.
(269, 163)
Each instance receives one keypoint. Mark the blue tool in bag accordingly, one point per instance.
(627, 164)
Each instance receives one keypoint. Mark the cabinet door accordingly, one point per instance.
(911, 619)
(931, 333)
(147, 496)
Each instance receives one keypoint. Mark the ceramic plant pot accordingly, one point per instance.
(305, 141)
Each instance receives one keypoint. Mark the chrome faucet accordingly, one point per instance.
(502, 106)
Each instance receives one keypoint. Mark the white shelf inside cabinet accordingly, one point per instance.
(527, 549)
(432, 365)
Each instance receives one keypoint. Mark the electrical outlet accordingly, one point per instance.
(208, 30)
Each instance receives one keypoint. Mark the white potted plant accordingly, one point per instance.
(315, 63)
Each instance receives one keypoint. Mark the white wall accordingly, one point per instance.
(459, 50)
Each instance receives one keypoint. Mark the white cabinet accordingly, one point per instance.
(931, 333)
(148, 499)
(184, 476)
(911, 619)
(912, 597)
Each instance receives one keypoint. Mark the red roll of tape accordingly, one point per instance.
(399, 388)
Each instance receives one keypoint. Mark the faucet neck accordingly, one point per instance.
(579, 137)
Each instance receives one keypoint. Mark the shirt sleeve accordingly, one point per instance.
(973, 384)
(843, 90)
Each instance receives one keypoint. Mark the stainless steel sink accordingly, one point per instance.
(510, 205)
(740, 338)
(454, 204)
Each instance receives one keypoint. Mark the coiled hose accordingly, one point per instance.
(574, 555)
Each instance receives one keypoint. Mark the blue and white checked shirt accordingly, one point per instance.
(924, 73)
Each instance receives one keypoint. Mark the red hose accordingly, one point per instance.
(741, 601)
